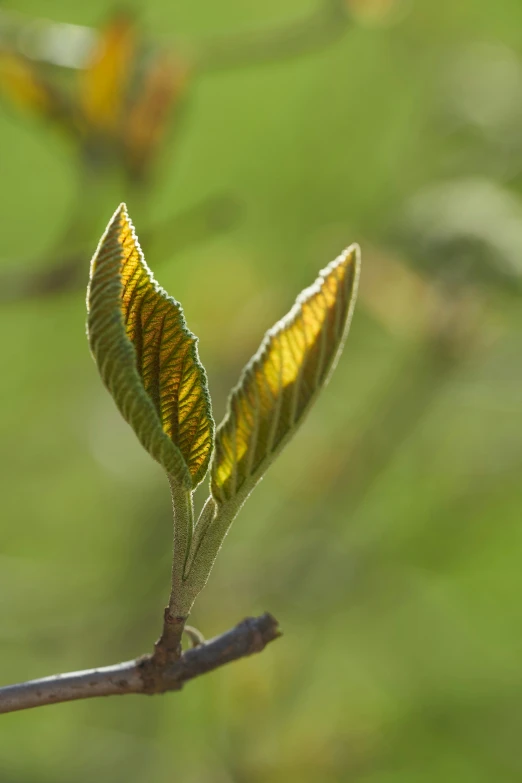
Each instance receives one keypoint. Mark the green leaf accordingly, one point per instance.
(282, 379)
(147, 357)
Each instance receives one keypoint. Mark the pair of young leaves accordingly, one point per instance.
(148, 359)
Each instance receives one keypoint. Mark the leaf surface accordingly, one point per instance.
(147, 357)
(282, 379)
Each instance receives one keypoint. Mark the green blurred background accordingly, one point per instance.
(387, 539)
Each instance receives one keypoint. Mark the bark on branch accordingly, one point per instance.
(144, 675)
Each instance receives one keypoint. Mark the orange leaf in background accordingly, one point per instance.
(162, 89)
(121, 103)
(105, 81)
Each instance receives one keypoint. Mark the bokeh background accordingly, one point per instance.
(387, 539)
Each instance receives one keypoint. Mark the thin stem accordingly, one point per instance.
(144, 675)
(205, 519)
(168, 647)
(183, 509)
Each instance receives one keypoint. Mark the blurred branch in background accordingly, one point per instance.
(72, 46)
(126, 95)
(324, 26)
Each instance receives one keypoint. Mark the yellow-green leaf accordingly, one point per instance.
(147, 357)
(282, 379)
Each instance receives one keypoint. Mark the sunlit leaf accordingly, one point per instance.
(105, 80)
(147, 357)
(282, 379)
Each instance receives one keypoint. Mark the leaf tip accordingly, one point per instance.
(121, 213)
(350, 256)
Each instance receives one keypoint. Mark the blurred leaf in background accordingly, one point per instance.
(387, 538)
(118, 108)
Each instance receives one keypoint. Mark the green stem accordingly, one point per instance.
(183, 530)
(211, 530)
(168, 647)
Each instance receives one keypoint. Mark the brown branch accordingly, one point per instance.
(144, 675)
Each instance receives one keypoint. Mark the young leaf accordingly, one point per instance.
(282, 379)
(147, 357)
